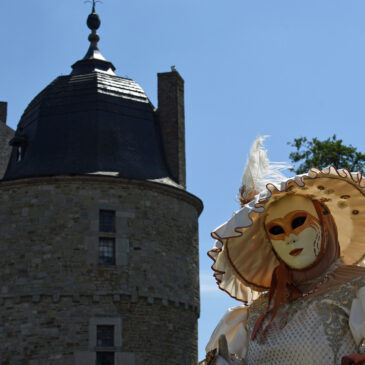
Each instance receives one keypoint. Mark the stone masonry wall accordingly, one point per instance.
(57, 333)
(52, 287)
(6, 134)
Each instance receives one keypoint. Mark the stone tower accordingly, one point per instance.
(99, 238)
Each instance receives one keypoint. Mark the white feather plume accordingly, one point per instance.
(259, 171)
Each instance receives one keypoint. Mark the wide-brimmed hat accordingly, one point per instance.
(243, 257)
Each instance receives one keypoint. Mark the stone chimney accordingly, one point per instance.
(3, 111)
(171, 115)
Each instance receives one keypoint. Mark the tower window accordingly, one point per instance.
(19, 142)
(105, 336)
(107, 237)
(107, 221)
(105, 340)
(19, 152)
(106, 251)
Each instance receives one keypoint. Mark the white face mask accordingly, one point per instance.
(294, 229)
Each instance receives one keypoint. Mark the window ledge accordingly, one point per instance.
(107, 349)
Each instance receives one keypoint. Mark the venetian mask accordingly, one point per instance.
(294, 229)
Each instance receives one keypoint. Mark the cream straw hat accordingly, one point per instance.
(243, 258)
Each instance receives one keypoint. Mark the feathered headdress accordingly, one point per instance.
(259, 172)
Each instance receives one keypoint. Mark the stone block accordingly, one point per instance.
(85, 357)
(125, 358)
(116, 298)
(56, 298)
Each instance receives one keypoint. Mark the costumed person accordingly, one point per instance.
(291, 255)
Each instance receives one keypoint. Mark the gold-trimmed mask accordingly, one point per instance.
(295, 232)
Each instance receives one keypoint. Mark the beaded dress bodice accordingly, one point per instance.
(311, 330)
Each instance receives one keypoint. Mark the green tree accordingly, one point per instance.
(320, 154)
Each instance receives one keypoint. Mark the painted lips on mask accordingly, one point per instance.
(296, 252)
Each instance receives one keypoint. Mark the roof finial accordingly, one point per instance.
(94, 2)
(93, 59)
(93, 22)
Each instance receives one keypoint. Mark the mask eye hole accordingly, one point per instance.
(298, 221)
(275, 230)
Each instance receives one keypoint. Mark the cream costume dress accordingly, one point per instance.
(326, 320)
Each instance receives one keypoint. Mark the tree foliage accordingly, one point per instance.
(320, 154)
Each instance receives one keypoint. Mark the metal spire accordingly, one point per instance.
(93, 59)
(93, 22)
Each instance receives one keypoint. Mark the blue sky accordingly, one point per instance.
(286, 68)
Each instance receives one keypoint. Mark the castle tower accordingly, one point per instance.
(99, 238)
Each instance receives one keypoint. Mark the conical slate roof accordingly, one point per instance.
(89, 122)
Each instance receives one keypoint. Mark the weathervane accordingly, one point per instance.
(94, 2)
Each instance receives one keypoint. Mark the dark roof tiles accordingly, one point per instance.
(88, 123)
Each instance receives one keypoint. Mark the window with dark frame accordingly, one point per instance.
(107, 221)
(107, 237)
(105, 339)
(107, 251)
(105, 336)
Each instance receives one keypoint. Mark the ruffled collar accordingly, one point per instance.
(311, 286)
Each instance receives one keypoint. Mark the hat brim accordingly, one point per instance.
(243, 256)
